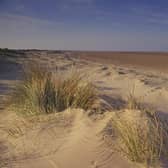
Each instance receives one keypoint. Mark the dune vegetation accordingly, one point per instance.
(41, 91)
(141, 138)
(140, 134)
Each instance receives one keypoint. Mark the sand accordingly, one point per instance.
(149, 60)
(73, 139)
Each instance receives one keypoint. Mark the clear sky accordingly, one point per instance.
(140, 25)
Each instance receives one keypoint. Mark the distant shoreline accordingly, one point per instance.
(141, 59)
(150, 60)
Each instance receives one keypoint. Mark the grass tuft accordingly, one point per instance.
(140, 135)
(40, 92)
(133, 103)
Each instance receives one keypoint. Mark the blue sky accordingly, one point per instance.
(136, 25)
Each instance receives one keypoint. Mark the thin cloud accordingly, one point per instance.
(150, 15)
(10, 18)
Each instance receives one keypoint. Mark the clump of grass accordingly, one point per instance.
(132, 101)
(140, 135)
(41, 92)
(30, 94)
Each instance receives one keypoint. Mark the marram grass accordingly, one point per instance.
(140, 136)
(42, 92)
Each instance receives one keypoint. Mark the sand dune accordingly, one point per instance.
(82, 146)
(73, 139)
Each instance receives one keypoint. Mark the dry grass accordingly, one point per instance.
(132, 101)
(141, 133)
(141, 136)
(42, 92)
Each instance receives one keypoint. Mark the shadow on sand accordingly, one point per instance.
(116, 102)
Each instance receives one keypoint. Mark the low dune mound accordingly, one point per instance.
(139, 135)
(34, 137)
(68, 139)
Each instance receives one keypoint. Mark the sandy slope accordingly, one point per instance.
(72, 139)
(82, 146)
